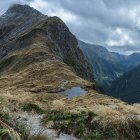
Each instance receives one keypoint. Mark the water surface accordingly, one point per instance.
(74, 92)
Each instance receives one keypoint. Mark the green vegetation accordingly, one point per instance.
(79, 124)
(32, 107)
(87, 125)
(4, 134)
(82, 125)
(18, 132)
(7, 132)
(25, 134)
(11, 134)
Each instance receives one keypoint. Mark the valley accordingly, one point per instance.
(115, 74)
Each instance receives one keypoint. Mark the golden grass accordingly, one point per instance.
(59, 104)
(40, 82)
(6, 130)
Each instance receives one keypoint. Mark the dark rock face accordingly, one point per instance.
(23, 9)
(127, 87)
(66, 47)
(21, 24)
(17, 20)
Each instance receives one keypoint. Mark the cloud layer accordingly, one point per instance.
(114, 24)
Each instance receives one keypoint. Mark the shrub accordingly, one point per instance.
(32, 107)
(79, 124)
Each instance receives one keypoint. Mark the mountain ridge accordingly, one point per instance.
(55, 32)
(40, 60)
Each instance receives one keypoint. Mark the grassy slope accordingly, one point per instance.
(35, 76)
(111, 113)
(38, 81)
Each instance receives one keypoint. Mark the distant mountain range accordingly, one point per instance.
(108, 66)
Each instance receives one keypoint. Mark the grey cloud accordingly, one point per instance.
(94, 20)
(127, 49)
(121, 3)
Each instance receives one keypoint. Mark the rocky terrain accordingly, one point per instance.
(40, 59)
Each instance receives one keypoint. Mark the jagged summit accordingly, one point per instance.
(22, 9)
(23, 15)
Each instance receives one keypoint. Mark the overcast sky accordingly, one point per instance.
(114, 24)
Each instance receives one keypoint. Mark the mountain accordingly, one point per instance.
(127, 86)
(31, 42)
(20, 37)
(128, 61)
(133, 60)
(40, 64)
(108, 66)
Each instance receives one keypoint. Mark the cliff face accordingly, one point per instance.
(22, 26)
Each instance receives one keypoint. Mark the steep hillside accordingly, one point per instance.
(127, 86)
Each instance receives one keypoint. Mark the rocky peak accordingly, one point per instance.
(22, 9)
(18, 14)
(18, 19)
